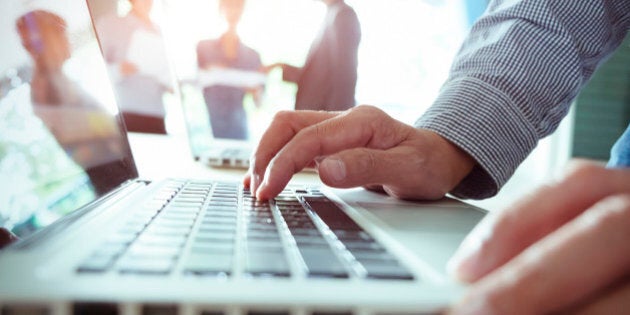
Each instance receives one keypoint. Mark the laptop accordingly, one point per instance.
(94, 238)
(205, 147)
(212, 141)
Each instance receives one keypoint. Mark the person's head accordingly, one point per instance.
(43, 35)
(141, 7)
(232, 11)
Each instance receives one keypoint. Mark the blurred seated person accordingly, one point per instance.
(232, 65)
(134, 50)
(81, 126)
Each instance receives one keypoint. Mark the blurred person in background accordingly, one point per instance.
(328, 79)
(125, 42)
(227, 55)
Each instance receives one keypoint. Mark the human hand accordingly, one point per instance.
(562, 248)
(362, 146)
(127, 68)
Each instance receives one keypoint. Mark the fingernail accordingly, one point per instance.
(334, 167)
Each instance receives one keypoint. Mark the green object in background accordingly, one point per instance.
(603, 107)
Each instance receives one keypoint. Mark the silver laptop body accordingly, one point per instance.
(96, 239)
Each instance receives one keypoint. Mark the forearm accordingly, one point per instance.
(515, 77)
(291, 73)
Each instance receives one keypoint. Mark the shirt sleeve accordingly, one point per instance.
(515, 77)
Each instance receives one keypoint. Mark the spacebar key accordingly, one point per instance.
(322, 262)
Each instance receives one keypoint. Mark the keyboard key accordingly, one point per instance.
(168, 230)
(213, 248)
(305, 232)
(95, 264)
(160, 224)
(217, 228)
(260, 226)
(148, 265)
(121, 237)
(178, 217)
(385, 270)
(110, 249)
(331, 214)
(263, 245)
(263, 235)
(220, 217)
(372, 255)
(322, 262)
(267, 263)
(231, 199)
(207, 263)
(144, 251)
(188, 201)
(300, 224)
(310, 241)
(344, 235)
(214, 238)
(362, 245)
(193, 210)
(161, 240)
(166, 309)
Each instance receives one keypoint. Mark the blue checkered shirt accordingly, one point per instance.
(514, 78)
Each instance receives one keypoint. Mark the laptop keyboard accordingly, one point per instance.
(218, 229)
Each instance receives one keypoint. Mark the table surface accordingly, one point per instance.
(159, 156)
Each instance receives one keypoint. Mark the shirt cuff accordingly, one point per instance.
(485, 123)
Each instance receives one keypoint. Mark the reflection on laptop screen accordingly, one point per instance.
(61, 142)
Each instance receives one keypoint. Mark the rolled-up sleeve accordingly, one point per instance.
(515, 77)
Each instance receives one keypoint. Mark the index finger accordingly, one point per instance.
(285, 125)
(363, 126)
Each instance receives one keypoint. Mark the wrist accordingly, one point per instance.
(449, 162)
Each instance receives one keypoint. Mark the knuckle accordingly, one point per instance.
(583, 170)
(320, 131)
(374, 114)
(367, 161)
(608, 214)
(283, 116)
(368, 109)
(619, 206)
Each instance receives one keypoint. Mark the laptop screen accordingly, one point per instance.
(62, 143)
